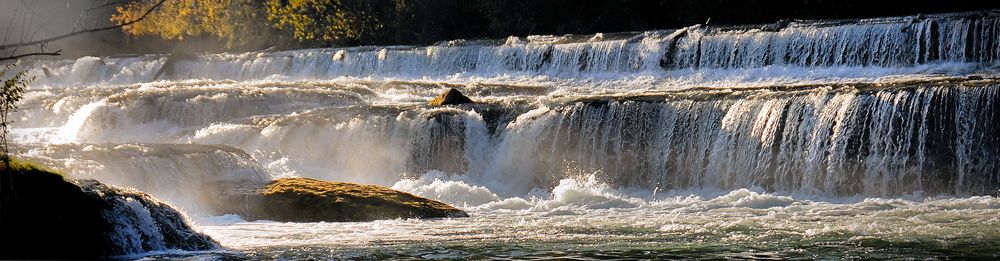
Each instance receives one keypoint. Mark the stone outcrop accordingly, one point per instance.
(450, 97)
(311, 200)
(47, 216)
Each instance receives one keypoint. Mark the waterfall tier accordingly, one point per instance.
(943, 43)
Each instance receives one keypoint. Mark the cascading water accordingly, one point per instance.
(796, 130)
(141, 224)
(183, 174)
(951, 42)
(829, 140)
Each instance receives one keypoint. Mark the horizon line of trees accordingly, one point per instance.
(249, 24)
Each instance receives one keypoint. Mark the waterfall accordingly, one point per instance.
(870, 42)
(875, 107)
(931, 137)
(141, 224)
(183, 174)
(972, 39)
(837, 141)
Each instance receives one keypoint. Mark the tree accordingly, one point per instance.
(282, 22)
(10, 50)
(13, 91)
(227, 20)
(332, 21)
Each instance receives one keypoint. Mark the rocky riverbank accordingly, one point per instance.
(45, 215)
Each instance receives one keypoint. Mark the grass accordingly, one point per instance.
(30, 168)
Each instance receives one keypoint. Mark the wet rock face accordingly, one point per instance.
(311, 200)
(45, 216)
(141, 223)
(450, 97)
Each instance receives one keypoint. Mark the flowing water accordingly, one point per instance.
(872, 138)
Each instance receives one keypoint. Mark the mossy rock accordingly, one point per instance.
(44, 215)
(449, 97)
(312, 200)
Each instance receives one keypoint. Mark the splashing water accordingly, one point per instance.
(870, 138)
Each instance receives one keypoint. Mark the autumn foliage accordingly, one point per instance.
(315, 23)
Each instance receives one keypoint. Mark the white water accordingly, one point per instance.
(695, 56)
(584, 216)
(811, 136)
(140, 224)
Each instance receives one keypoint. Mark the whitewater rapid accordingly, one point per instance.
(794, 139)
(586, 219)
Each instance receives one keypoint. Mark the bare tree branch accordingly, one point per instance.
(150, 10)
(19, 56)
(105, 4)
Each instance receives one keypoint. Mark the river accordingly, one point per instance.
(862, 138)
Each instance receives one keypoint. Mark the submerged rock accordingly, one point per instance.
(169, 68)
(311, 200)
(46, 216)
(449, 97)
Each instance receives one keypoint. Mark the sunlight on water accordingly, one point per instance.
(871, 140)
(583, 218)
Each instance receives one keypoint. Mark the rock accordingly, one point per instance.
(169, 67)
(449, 97)
(776, 26)
(46, 216)
(311, 200)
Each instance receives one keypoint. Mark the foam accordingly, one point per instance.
(223, 220)
(554, 170)
(588, 193)
(752, 199)
(745, 216)
(454, 191)
(699, 55)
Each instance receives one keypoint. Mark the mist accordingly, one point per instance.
(586, 130)
(25, 21)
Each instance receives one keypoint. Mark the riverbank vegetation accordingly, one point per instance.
(287, 24)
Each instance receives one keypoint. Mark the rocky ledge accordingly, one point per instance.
(312, 200)
(46, 216)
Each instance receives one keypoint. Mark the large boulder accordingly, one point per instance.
(311, 200)
(46, 216)
(449, 97)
